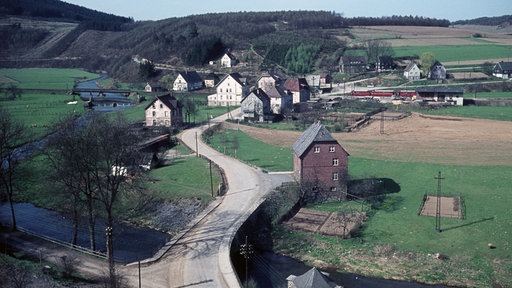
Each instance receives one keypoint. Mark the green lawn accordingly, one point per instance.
(456, 53)
(44, 78)
(39, 111)
(239, 145)
(396, 242)
(169, 182)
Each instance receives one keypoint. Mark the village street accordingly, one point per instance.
(200, 258)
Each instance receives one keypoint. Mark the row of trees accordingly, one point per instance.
(94, 161)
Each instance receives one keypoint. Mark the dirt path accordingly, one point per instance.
(418, 138)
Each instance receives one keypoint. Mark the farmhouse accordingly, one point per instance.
(352, 64)
(299, 88)
(452, 95)
(211, 80)
(154, 87)
(437, 71)
(228, 60)
(385, 63)
(256, 106)
(271, 79)
(164, 110)
(188, 81)
(412, 72)
(230, 91)
(502, 70)
(320, 162)
(280, 100)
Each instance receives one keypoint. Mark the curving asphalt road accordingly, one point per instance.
(200, 258)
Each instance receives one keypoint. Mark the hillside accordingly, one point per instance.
(53, 33)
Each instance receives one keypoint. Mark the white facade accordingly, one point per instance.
(230, 92)
(412, 72)
(227, 60)
(180, 84)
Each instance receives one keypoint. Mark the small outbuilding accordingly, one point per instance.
(188, 81)
(313, 278)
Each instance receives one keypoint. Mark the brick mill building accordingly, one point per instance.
(321, 162)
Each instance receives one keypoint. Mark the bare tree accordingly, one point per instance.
(70, 159)
(11, 133)
(115, 150)
(376, 48)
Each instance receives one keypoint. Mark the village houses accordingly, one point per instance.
(164, 110)
(299, 88)
(228, 60)
(412, 72)
(502, 70)
(256, 106)
(320, 162)
(230, 91)
(188, 81)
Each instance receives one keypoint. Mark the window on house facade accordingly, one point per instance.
(220, 90)
(166, 113)
(317, 149)
(154, 113)
(154, 122)
(161, 106)
(333, 189)
(335, 176)
(335, 162)
(332, 149)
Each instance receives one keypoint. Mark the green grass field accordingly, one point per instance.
(170, 183)
(481, 112)
(450, 53)
(238, 145)
(396, 230)
(44, 78)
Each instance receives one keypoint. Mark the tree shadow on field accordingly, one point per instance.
(375, 192)
(468, 224)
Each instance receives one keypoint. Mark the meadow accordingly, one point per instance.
(453, 53)
(44, 78)
(396, 242)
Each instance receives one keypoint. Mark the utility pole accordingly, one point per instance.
(197, 151)
(246, 251)
(438, 204)
(382, 121)
(211, 177)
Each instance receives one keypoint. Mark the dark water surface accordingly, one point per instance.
(131, 243)
(106, 103)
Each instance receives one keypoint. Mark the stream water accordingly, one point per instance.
(103, 103)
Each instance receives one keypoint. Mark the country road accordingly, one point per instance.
(200, 258)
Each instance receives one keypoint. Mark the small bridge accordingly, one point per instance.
(100, 91)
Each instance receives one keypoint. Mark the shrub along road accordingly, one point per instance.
(200, 257)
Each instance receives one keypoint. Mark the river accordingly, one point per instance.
(103, 103)
(131, 243)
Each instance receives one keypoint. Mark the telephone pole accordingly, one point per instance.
(438, 204)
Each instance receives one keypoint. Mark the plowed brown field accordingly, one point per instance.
(418, 138)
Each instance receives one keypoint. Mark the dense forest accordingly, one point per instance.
(62, 11)
(295, 41)
(490, 21)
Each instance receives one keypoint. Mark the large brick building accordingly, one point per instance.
(321, 163)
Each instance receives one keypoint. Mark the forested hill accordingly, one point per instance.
(489, 21)
(62, 11)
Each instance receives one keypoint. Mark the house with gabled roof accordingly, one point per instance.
(256, 106)
(228, 60)
(313, 278)
(187, 81)
(299, 88)
(211, 80)
(353, 64)
(502, 70)
(384, 63)
(230, 91)
(271, 79)
(152, 87)
(164, 110)
(412, 72)
(437, 71)
(320, 162)
(280, 100)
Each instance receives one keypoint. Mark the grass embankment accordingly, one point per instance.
(396, 242)
(44, 78)
(238, 145)
(480, 112)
